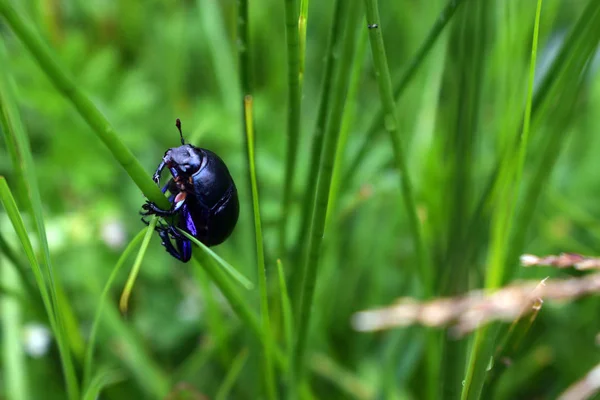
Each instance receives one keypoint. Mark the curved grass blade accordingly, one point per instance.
(86, 108)
(123, 303)
(101, 380)
(234, 273)
(89, 354)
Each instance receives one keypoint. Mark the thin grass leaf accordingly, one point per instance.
(63, 315)
(232, 376)
(15, 380)
(22, 270)
(286, 307)
(335, 37)
(415, 63)
(293, 117)
(89, 354)
(149, 374)
(230, 270)
(88, 111)
(302, 24)
(260, 256)
(103, 378)
(347, 122)
(311, 266)
(124, 301)
(422, 269)
(501, 227)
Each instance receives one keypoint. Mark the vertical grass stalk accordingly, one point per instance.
(391, 125)
(311, 265)
(320, 126)
(260, 257)
(293, 116)
(485, 338)
(302, 24)
(415, 63)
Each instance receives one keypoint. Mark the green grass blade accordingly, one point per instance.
(434, 34)
(151, 378)
(65, 84)
(10, 206)
(124, 302)
(23, 163)
(335, 37)
(260, 256)
(89, 354)
(302, 24)
(21, 269)
(350, 109)
(101, 380)
(286, 307)
(228, 268)
(485, 338)
(15, 379)
(293, 117)
(310, 269)
(232, 376)
(422, 269)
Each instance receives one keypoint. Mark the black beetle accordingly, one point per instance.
(203, 196)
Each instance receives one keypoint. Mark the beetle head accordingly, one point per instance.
(183, 161)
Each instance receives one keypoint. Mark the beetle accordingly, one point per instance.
(203, 196)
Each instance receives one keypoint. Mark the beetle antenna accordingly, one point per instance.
(178, 125)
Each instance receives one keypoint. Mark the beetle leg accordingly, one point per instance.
(156, 176)
(185, 247)
(151, 208)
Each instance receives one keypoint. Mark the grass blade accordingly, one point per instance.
(233, 374)
(63, 315)
(311, 265)
(65, 84)
(391, 125)
(435, 32)
(123, 303)
(228, 268)
(89, 354)
(286, 307)
(485, 338)
(100, 381)
(335, 37)
(293, 117)
(15, 379)
(260, 255)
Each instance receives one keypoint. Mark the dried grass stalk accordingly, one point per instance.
(466, 313)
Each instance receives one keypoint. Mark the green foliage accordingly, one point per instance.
(419, 157)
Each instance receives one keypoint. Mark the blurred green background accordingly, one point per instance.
(143, 64)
